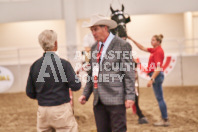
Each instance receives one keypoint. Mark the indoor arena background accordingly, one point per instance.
(21, 21)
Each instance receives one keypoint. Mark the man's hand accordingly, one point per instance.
(149, 84)
(129, 103)
(82, 99)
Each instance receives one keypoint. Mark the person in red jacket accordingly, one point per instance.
(156, 74)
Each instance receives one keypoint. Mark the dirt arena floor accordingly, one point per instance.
(18, 112)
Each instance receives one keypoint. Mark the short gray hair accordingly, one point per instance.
(47, 39)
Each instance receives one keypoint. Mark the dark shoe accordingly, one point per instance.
(142, 120)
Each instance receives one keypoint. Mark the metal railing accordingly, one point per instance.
(27, 55)
(24, 55)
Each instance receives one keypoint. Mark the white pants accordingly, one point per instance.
(59, 117)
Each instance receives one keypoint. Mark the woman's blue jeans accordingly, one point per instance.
(158, 90)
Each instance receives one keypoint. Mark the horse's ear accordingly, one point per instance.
(112, 11)
(122, 7)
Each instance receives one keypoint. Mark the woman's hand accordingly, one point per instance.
(150, 82)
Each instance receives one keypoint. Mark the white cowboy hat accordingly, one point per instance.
(100, 20)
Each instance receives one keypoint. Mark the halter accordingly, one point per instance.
(119, 17)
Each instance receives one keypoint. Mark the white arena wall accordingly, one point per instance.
(184, 73)
(175, 79)
(22, 20)
(19, 62)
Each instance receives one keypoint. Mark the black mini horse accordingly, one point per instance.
(119, 17)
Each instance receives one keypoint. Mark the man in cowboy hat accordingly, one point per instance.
(112, 77)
